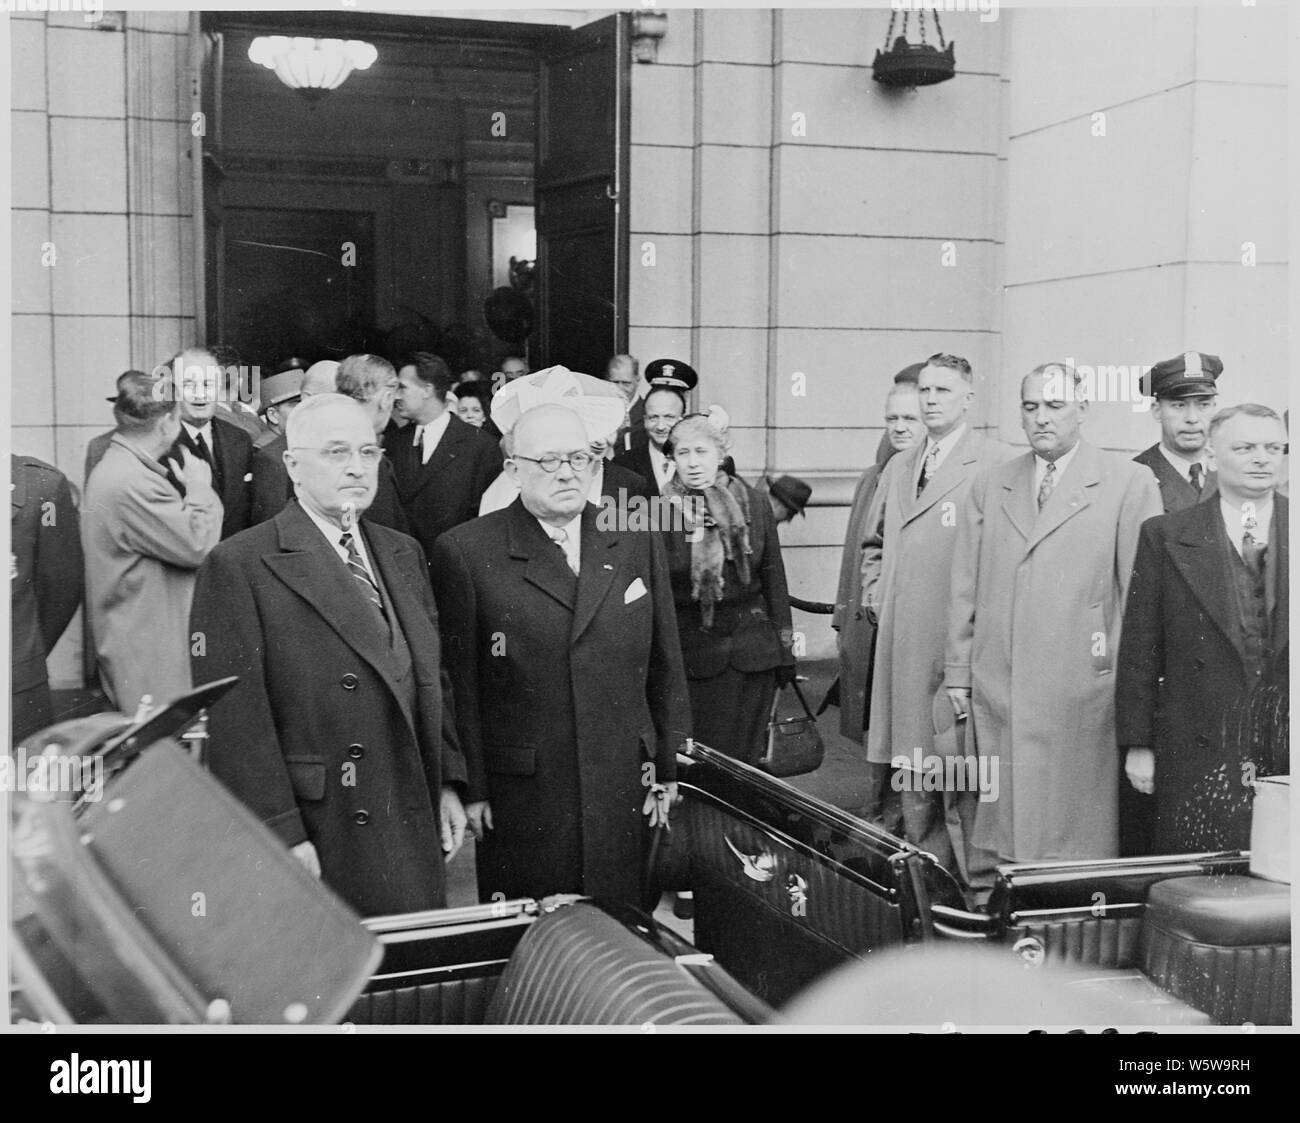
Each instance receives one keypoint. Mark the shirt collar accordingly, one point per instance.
(434, 430)
(332, 532)
(194, 430)
(573, 528)
(1184, 467)
(945, 444)
(1062, 462)
(1234, 520)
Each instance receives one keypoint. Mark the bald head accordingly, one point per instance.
(550, 430)
(320, 378)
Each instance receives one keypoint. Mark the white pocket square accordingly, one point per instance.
(248, 478)
(635, 591)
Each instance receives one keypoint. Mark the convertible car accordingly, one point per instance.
(153, 897)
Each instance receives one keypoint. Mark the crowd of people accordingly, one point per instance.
(444, 619)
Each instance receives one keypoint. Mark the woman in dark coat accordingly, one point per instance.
(733, 610)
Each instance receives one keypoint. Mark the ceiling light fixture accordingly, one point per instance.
(313, 67)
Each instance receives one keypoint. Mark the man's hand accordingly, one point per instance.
(1140, 768)
(480, 818)
(305, 852)
(785, 675)
(453, 821)
(196, 473)
(658, 801)
(959, 696)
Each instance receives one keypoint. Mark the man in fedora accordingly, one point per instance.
(788, 496)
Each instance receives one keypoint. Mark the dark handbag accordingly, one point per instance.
(794, 744)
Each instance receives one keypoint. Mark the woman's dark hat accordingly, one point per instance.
(792, 491)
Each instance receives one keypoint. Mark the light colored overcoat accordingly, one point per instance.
(1037, 601)
(907, 572)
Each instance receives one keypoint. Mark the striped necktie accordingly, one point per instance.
(1194, 473)
(928, 466)
(1049, 482)
(358, 570)
(1252, 549)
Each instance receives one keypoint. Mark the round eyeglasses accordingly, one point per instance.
(578, 461)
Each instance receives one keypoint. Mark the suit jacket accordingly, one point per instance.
(447, 490)
(569, 694)
(1182, 678)
(46, 581)
(1036, 604)
(615, 479)
(751, 621)
(1175, 492)
(323, 737)
(907, 566)
(637, 459)
(232, 468)
(142, 541)
(272, 489)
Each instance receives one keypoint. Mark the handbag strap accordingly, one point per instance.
(776, 699)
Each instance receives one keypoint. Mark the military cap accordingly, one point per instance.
(671, 374)
(1190, 373)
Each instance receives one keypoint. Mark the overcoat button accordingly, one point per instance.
(361, 818)
(349, 682)
(1202, 740)
(355, 752)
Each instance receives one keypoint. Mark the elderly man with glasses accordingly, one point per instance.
(571, 698)
(335, 734)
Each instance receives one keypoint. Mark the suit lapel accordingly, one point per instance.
(1018, 496)
(444, 456)
(600, 557)
(1200, 554)
(544, 565)
(395, 569)
(952, 471)
(1279, 580)
(308, 565)
(1073, 493)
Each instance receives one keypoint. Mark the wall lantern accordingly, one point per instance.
(647, 29)
(313, 67)
(914, 64)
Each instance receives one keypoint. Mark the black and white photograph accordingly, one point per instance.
(652, 520)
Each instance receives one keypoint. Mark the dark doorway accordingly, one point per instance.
(408, 163)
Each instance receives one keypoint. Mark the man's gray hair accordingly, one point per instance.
(1249, 409)
(300, 419)
(364, 377)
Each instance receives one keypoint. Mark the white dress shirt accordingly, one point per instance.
(663, 467)
(429, 435)
(944, 445)
(333, 534)
(1184, 467)
(572, 544)
(1233, 518)
(204, 431)
(1062, 463)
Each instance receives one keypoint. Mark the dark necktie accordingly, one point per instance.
(1252, 550)
(1195, 473)
(358, 570)
(928, 466)
(201, 447)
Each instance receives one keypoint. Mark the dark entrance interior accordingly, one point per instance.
(384, 215)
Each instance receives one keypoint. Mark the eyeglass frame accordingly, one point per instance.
(332, 453)
(541, 461)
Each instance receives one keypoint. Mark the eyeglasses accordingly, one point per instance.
(339, 455)
(578, 461)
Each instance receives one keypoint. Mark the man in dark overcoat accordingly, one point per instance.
(571, 700)
(46, 579)
(335, 734)
(1205, 638)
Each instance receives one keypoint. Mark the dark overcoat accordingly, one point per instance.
(319, 738)
(232, 470)
(447, 490)
(1175, 492)
(1182, 673)
(46, 579)
(566, 689)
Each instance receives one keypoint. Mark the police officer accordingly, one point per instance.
(1184, 398)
